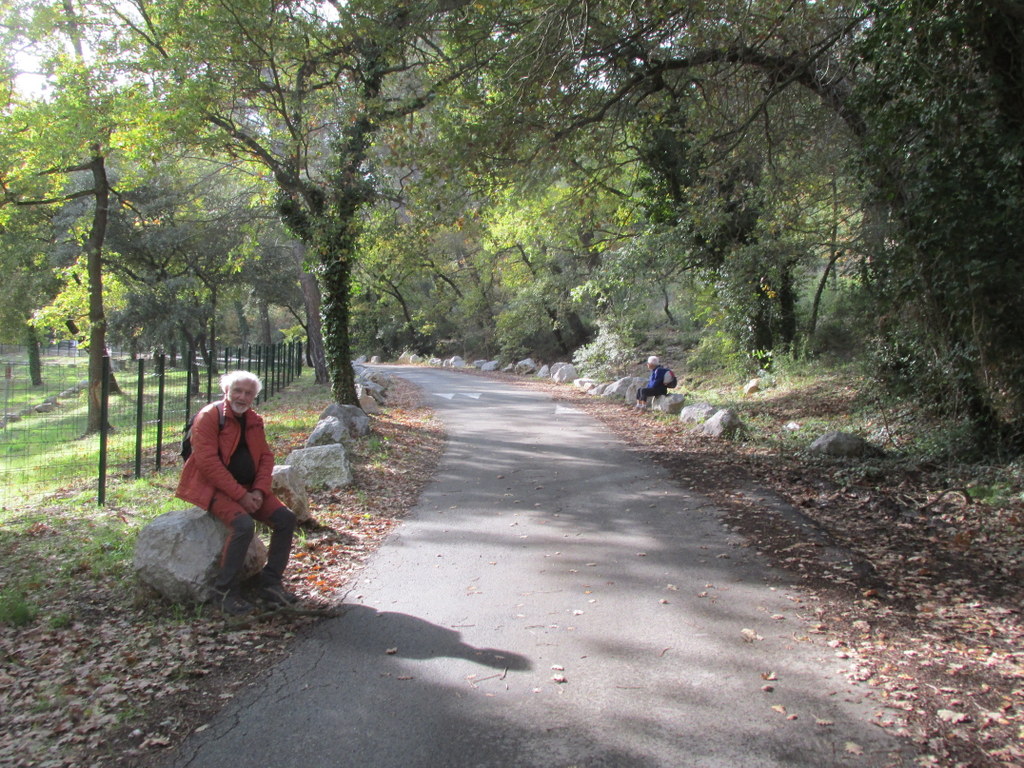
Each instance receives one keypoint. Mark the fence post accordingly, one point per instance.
(209, 374)
(101, 492)
(139, 392)
(160, 379)
(282, 362)
(188, 393)
(268, 370)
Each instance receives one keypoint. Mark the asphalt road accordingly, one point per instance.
(553, 601)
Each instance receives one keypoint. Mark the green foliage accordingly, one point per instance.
(609, 356)
(719, 350)
(945, 148)
(15, 608)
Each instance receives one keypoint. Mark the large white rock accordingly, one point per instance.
(287, 485)
(842, 444)
(178, 555)
(544, 372)
(369, 405)
(328, 431)
(455, 362)
(725, 423)
(566, 372)
(672, 403)
(370, 390)
(526, 366)
(490, 365)
(352, 417)
(322, 467)
(697, 413)
(624, 389)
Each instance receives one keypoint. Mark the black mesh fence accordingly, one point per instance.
(46, 446)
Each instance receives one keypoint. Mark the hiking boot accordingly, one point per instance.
(278, 595)
(233, 604)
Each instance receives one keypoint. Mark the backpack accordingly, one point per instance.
(669, 379)
(186, 434)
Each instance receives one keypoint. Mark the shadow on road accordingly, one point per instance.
(374, 632)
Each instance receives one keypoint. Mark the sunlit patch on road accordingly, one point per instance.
(559, 409)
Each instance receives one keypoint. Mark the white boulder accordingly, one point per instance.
(322, 467)
(697, 413)
(725, 423)
(842, 444)
(178, 555)
(564, 372)
(287, 485)
(526, 365)
(352, 417)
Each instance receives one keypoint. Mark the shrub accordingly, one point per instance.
(606, 357)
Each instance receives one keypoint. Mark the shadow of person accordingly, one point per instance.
(367, 630)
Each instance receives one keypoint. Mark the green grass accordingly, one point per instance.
(52, 546)
(46, 452)
(15, 608)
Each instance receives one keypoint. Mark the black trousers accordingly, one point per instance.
(240, 533)
(644, 392)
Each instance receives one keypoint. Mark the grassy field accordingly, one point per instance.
(48, 452)
(65, 531)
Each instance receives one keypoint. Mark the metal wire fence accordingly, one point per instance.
(45, 444)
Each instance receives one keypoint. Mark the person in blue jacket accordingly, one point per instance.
(655, 384)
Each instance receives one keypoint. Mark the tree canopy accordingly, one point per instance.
(740, 181)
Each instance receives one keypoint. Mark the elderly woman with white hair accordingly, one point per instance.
(229, 474)
(655, 384)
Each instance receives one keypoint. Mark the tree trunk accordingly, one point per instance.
(787, 309)
(94, 268)
(314, 334)
(337, 278)
(266, 333)
(35, 362)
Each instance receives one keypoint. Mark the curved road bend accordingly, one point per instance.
(552, 601)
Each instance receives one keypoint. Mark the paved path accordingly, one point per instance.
(543, 550)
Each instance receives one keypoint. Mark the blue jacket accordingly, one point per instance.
(657, 377)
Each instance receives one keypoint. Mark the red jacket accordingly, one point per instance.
(206, 471)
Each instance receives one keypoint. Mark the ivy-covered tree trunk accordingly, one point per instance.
(337, 277)
(336, 246)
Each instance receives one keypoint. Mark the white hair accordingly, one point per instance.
(653, 360)
(228, 379)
